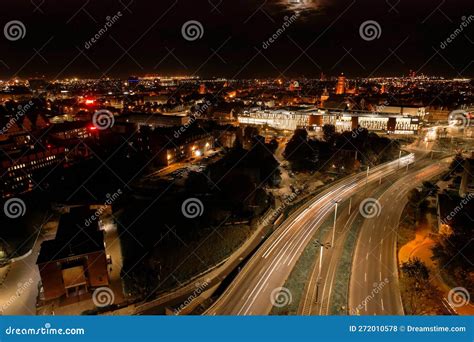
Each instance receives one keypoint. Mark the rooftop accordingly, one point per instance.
(73, 237)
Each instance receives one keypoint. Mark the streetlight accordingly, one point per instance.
(321, 245)
(368, 170)
(334, 225)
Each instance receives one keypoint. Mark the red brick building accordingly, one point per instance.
(75, 261)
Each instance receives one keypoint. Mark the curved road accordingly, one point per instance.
(268, 269)
(374, 287)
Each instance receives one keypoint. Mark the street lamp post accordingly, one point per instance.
(334, 225)
(368, 170)
(318, 282)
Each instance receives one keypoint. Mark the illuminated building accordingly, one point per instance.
(341, 85)
(19, 175)
(344, 120)
(324, 97)
(187, 145)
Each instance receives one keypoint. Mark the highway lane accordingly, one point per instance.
(332, 257)
(374, 287)
(251, 292)
(318, 301)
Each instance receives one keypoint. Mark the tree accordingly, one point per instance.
(299, 150)
(329, 131)
(417, 270)
(420, 295)
(457, 163)
(273, 145)
(429, 188)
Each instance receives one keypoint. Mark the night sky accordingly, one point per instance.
(324, 38)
